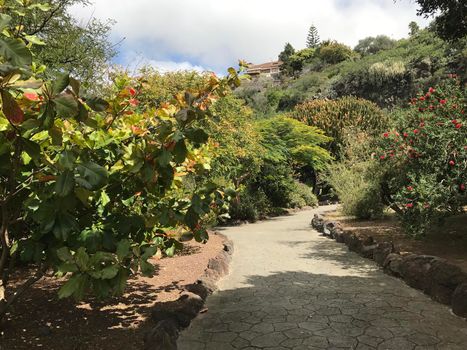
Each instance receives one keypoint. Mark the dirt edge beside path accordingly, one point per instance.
(442, 281)
(173, 316)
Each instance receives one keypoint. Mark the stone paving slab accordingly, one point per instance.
(289, 288)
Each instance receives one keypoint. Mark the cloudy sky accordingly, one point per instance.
(214, 34)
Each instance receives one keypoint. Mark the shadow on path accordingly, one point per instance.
(300, 310)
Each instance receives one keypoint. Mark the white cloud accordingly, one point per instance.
(133, 61)
(215, 33)
(169, 66)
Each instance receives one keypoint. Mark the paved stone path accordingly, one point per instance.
(289, 288)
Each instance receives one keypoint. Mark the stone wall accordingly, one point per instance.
(442, 281)
(171, 317)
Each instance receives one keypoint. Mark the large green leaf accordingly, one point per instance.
(31, 148)
(61, 83)
(148, 252)
(41, 6)
(66, 105)
(34, 39)
(4, 21)
(67, 160)
(48, 116)
(97, 104)
(93, 176)
(164, 157)
(15, 52)
(82, 259)
(120, 281)
(123, 249)
(197, 135)
(65, 184)
(109, 272)
(64, 254)
(180, 151)
(64, 225)
(147, 269)
(75, 286)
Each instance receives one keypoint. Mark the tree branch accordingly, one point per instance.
(6, 303)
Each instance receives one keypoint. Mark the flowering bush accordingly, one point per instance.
(425, 155)
(91, 189)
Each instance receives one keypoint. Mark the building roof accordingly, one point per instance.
(267, 68)
(267, 65)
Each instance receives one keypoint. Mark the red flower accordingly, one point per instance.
(416, 131)
(462, 187)
(405, 134)
(409, 188)
(386, 134)
(132, 91)
(422, 124)
(422, 98)
(382, 157)
(452, 163)
(442, 101)
(454, 121)
(458, 125)
(431, 90)
(134, 102)
(409, 205)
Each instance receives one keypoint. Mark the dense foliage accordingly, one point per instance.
(372, 45)
(425, 157)
(417, 167)
(451, 20)
(337, 117)
(385, 72)
(61, 42)
(91, 189)
(356, 177)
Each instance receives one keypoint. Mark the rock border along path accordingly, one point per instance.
(290, 288)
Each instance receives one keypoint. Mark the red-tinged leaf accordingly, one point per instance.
(31, 96)
(134, 102)
(11, 109)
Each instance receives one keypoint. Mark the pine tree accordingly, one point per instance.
(414, 28)
(312, 40)
(284, 57)
(286, 53)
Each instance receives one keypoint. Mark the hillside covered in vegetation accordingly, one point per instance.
(102, 169)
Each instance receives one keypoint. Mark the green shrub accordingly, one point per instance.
(372, 45)
(302, 196)
(385, 83)
(336, 116)
(250, 205)
(358, 188)
(333, 52)
(91, 189)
